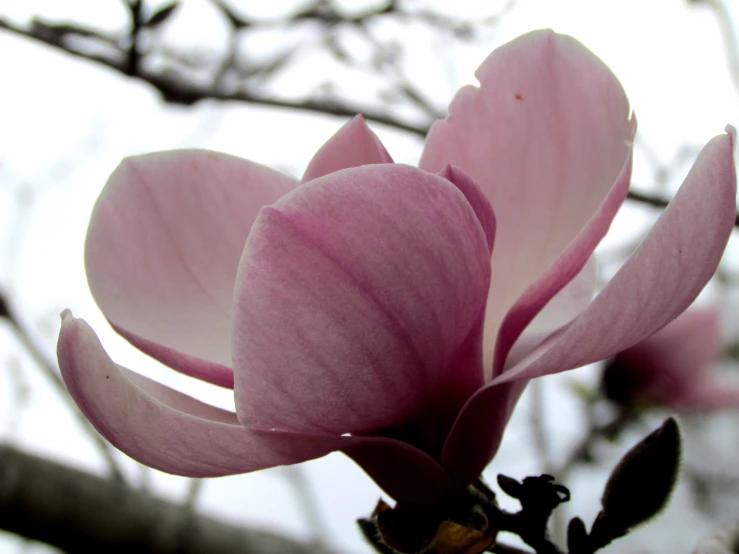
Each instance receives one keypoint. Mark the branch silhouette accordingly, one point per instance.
(80, 512)
(176, 88)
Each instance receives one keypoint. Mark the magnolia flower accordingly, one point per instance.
(379, 309)
(672, 368)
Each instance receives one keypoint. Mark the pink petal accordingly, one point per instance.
(564, 270)
(163, 248)
(478, 431)
(199, 368)
(661, 278)
(163, 428)
(567, 304)
(170, 431)
(352, 146)
(658, 282)
(547, 135)
(406, 473)
(474, 195)
(359, 302)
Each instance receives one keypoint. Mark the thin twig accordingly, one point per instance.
(133, 56)
(327, 14)
(49, 370)
(538, 427)
(193, 491)
(176, 90)
(581, 452)
(728, 34)
(308, 504)
(402, 81)
(544, 450)
(595, 432)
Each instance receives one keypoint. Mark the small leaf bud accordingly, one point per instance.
(640, 485)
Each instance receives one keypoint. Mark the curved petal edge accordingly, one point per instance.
(205, 370)
(661, 278)
(163, 428)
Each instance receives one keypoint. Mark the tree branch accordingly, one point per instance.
(79, 512)
(133, 56)
(177, 90)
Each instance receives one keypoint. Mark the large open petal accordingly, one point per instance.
(163, 428)
(571, 262)
(660, 279)
(547, 134)
(359, 302)
(173, 432)
(353, 145)
(163, 248)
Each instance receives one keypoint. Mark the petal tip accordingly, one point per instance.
(354, 145)
(633, 125)
(67, 315)
(731, 131)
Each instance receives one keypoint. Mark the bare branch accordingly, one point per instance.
(79, 512)
(728, 34)
(326, 13)
(178, 90)
(133, 56)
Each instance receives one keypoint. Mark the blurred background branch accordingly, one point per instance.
(79, 512)
(237, 76)
(51, 372)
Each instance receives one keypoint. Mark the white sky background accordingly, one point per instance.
(65, 124)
